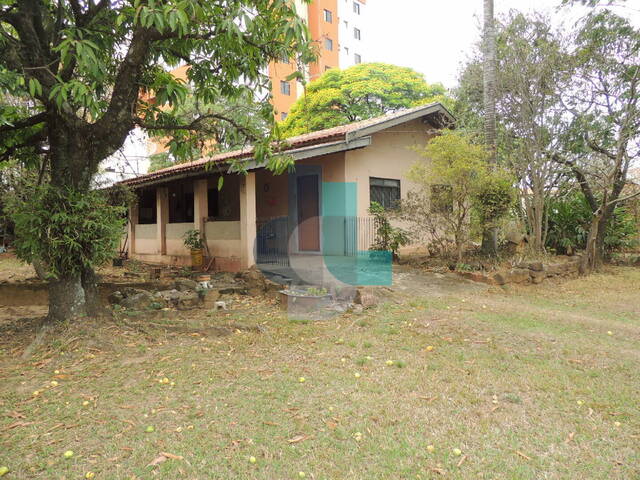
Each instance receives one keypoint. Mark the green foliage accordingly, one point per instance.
(570, 219)
(193, 239)
(494, 197)
(65, 229)
(455, 183)
(388, 238)
(358, 93)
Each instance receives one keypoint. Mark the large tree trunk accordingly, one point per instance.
(490, 233)
(93, 302)
(66, 299)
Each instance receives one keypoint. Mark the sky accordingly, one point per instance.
(435, 36)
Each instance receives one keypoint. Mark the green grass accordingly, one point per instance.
(527, 385)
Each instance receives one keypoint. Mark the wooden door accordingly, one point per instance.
(308, 213)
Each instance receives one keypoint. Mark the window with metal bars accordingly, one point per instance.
(385, 191)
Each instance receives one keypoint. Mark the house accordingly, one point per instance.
(319, 207)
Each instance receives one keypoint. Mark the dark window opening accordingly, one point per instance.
(441, 199)
(357, 34)
(328, 16)
(181, 203)
(328, 44)
(356, 8)
(147, 210)
(384, 191)
(283, 116)
(285, 87)
(213, 203)
(357, 58)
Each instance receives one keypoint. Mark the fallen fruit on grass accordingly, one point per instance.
(36, 393)
(252, 460)
(68, 454)
(85, 403)
(3, 470)
(609, 332)
(54, 383)
(429, 348)
(302, 380)
(89, 475)
(431, 448)
(150, 429)
(579, 402)
(340, 341)
(165, 380)
(56, 372)
(457, 452)
(617, 424)
(357, 375)
(302, 474)
(389, 362)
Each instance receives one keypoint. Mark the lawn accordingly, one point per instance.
(537, 383)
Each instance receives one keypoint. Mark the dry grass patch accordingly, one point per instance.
(523, 385)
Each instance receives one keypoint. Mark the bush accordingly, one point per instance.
(570, 220)
(65, 229)
(388, 237)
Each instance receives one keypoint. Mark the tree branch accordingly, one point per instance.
(28, 122)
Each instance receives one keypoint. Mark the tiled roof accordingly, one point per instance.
(314, 138)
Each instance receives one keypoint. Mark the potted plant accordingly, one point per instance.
(193, 241)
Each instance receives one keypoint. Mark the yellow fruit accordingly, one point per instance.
(617, 424)
(54, 383)
(85, 403)
(340, 341)
(579, 402)
(389, 362)
(457, 452)
(150, 429)
(430, 448)
(429, 348)
(357, 375)
(89, 475)
(3, 471)
(301, 379)
(252, 460)
(165, 380)
(36, 393)
(301, 474)
(56, 372)
(609, 332)
(68, 454)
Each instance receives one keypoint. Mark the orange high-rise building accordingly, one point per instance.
(338, 28)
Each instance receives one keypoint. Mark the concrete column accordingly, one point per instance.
(200, 204)
(162, 210)
(247, 220)
(133, 221)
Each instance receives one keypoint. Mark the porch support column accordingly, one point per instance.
(200, 204)
(133, 221)
(162, 218)
(247, 220)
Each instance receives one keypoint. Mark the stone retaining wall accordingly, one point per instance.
(527, 273)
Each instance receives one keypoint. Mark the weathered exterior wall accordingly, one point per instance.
(272, 192)
(223, 238)
(146, 239)
(390, 155)
(175, 242)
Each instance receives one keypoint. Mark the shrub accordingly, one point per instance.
(65, 229)
(570, 219)
(388, 238)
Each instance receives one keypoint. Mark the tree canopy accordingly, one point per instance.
(84, 73)
(357, 93)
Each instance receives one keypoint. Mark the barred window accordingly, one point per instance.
(385, 191)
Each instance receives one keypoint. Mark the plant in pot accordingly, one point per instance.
(193, 241)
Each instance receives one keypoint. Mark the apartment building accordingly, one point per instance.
(338, 27)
